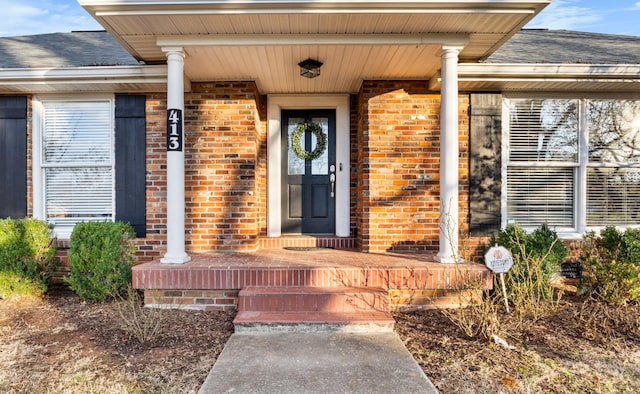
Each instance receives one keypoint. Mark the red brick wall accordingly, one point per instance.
(225, 141)
(353, 168)
(225, 169)
(153, 246)
(398, 166)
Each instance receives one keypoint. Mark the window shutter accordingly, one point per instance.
(13, 156)
(485, 164)
(131, 161)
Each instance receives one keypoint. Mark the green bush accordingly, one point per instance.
(27, 257)
(101, 255)
(611, 265)
(536, 259)
(542, 244)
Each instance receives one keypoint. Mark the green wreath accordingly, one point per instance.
(296, 138)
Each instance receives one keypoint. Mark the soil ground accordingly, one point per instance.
(61, 344)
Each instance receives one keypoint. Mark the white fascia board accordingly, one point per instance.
(549, 70)
(505, 73)
(313, 39)
(204, 7)
(101, 74)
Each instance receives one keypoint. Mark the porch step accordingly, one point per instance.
(313, 299)
(346, 309)
(308, 241)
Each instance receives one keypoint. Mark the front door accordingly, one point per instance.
(308, 171)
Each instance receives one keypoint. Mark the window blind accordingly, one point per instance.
(613, 173)
(541, 195)
(78, 161)
(543, 130)
(613, 196)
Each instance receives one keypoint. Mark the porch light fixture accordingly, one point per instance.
(310, 68)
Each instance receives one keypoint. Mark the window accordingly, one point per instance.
(613, 173)
(573, 163)
(74, 166)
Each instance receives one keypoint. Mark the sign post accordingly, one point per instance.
(499, 260)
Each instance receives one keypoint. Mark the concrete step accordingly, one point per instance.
(268, 322)
(313, 309)
(313, 299)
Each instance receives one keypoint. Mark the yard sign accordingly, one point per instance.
(499, 260)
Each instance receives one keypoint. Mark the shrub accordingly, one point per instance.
(101, 255)
(537, 258)
(27, 257)
(542, 243)
(476, 317)
(144, 324)
(611, 265)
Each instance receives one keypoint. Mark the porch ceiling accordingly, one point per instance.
(264, 40)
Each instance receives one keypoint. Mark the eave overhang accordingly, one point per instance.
(356, 40)
(84, 79)
(611, 78)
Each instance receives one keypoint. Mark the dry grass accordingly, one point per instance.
(558, 353)
(61, 344)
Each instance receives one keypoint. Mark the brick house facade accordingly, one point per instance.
(395, 207)
(433, 144)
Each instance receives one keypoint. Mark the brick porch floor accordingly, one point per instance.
(213, 281)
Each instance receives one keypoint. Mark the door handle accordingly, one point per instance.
(332, 179)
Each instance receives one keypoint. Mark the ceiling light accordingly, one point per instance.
(310, 68)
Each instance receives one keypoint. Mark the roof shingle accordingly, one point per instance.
(568, 47)
(75, 49)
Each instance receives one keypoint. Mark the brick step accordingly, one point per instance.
(313, 299)
(252, 322)
(307, 241)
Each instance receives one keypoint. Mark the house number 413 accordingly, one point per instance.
(174, 130)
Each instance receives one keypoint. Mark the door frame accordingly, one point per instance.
(275, 104)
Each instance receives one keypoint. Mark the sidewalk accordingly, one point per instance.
(324, 362)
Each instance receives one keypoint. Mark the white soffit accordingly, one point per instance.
(264, 40)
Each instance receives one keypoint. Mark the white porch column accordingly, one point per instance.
(448, 252)
(175, 157)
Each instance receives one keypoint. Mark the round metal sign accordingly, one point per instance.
(498, 259)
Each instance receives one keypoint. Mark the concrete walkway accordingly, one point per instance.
(320, 362)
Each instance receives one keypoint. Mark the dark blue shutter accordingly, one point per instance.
(13, 156)
(485, 180)
(131, 162)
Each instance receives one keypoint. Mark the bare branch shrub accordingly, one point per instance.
(537, 258)
(606, 324)
(477, 312)
(142, 323)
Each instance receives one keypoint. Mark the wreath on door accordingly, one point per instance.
(296, 139)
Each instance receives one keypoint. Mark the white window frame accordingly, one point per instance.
(38, 177)
(580, 172)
